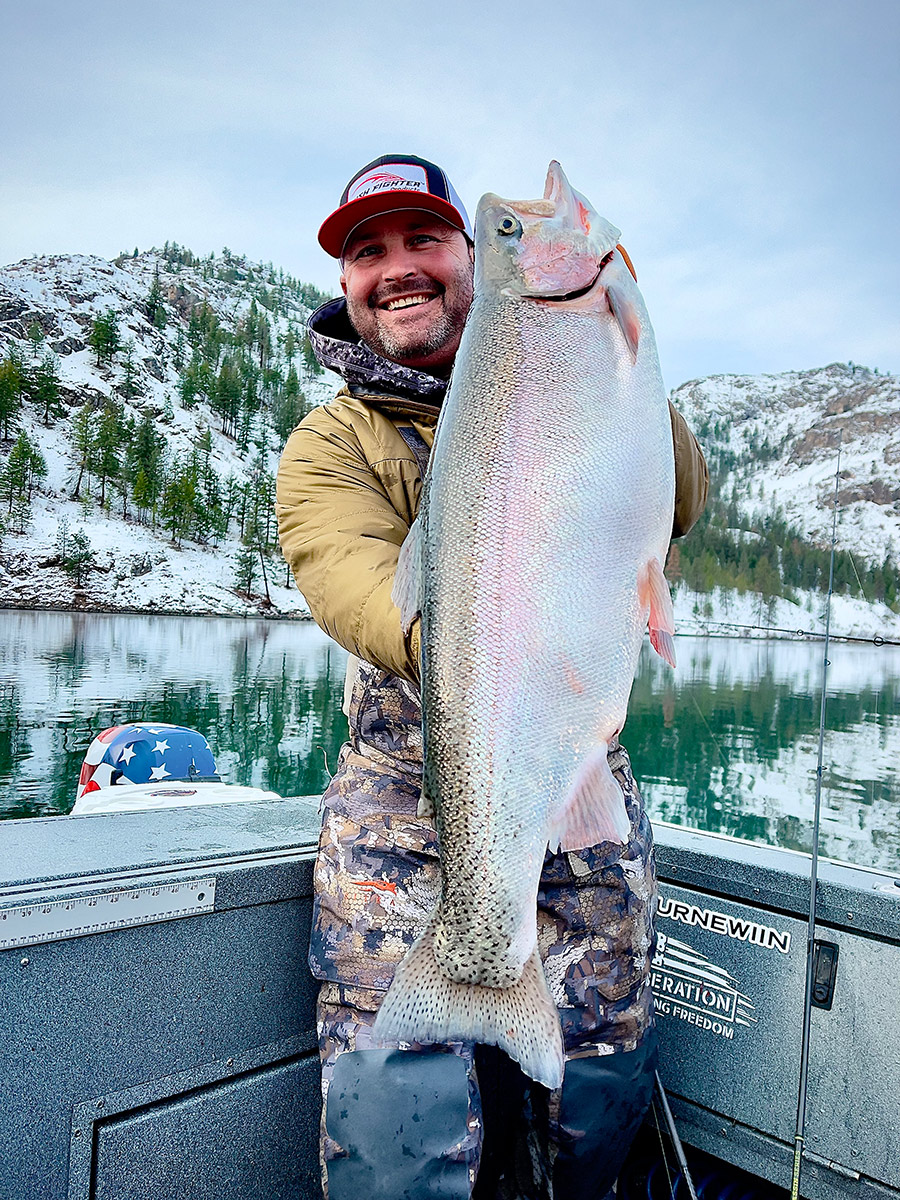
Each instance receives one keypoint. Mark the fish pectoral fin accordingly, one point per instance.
(407, 590)
(625, 312)
(653, 591)
(424, 1005)
(425, 807)
(594, 808)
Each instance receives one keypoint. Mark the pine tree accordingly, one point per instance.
(12, 388)
(153, 303)
(79, 556)
(24, 469)
(110, 445)
(45, 387)
(35, 337)
(289, 407)
(146, 465)
(179, 501)
(84, 439)
(104, 337)
(245, 567)
(128, 388)
(310, 362)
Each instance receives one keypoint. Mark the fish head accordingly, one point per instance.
(555, 251)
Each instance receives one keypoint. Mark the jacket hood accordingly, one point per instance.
(337, 346)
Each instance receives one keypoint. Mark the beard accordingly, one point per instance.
(408, 346)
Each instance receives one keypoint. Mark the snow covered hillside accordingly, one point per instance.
(157, 392)
(772, 444)
(207, 360)
(781, 433)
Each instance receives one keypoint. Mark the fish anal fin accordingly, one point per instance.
(653, 592)
(424, 1005)
(594, 808)
(407, 590)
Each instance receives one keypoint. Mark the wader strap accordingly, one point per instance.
(417, 444)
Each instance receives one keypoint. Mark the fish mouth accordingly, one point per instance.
(579, 292)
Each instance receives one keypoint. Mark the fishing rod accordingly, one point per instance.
(675, 1140)
(804, 634)
(800, 1129)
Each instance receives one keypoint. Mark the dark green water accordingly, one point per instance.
(726, 743)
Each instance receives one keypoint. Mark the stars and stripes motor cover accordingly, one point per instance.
(144, 752)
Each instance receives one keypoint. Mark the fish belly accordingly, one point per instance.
(552, 487)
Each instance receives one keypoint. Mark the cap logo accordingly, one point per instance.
(397, 177)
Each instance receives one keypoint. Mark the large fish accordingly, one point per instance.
(535, 561)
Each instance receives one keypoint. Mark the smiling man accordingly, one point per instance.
(438, 1121)
(408, 283)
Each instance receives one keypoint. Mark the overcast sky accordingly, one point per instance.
(747, 149)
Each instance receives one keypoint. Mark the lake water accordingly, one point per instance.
(726, 743)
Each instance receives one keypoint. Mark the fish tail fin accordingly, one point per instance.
(425, 1005)
(654, 591)
(593, 810)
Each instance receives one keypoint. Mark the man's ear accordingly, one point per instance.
(343, 285)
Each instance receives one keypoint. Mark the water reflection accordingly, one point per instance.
(729, 741)
(265, 694)
(725, 743)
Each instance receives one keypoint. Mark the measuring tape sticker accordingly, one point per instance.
(30, 924)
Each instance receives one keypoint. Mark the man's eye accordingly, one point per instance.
(365, 252)
(423, 237)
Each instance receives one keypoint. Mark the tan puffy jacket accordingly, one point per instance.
(347, 492)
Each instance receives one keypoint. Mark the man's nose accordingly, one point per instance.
(398, 264)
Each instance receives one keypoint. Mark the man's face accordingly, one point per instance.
(408, 282)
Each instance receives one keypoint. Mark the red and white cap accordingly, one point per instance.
(390, 183)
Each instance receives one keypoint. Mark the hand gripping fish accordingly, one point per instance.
(535, 562)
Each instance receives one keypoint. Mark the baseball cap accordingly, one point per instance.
(394, 181)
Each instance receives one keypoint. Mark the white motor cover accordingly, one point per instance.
(141, 796)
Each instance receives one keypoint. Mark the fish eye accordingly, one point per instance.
(508, 225)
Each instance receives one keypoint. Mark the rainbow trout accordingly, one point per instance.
(535, 562)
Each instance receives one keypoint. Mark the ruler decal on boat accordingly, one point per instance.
(99, 912)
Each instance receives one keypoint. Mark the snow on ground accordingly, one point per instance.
(137, 568)
(730, 613)
(784, 431)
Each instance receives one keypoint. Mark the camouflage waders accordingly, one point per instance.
(410, 1122)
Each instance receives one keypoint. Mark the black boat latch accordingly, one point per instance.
(824, 974)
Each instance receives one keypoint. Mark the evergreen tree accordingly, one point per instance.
(245, 567)
(79, 556)
(62, 537)
(128, 388)
(12, 388)
(310, 362)
(179, 501)
(290, 406)
(84, 439)
(45, 387)
(145, 454)
(24, 469)
(104, 337)
(153, 303)
(35, 337)
(110, 447)
(179, 352)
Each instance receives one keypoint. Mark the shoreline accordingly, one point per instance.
(130, 610)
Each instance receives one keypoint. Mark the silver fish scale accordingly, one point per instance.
(552, 483)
